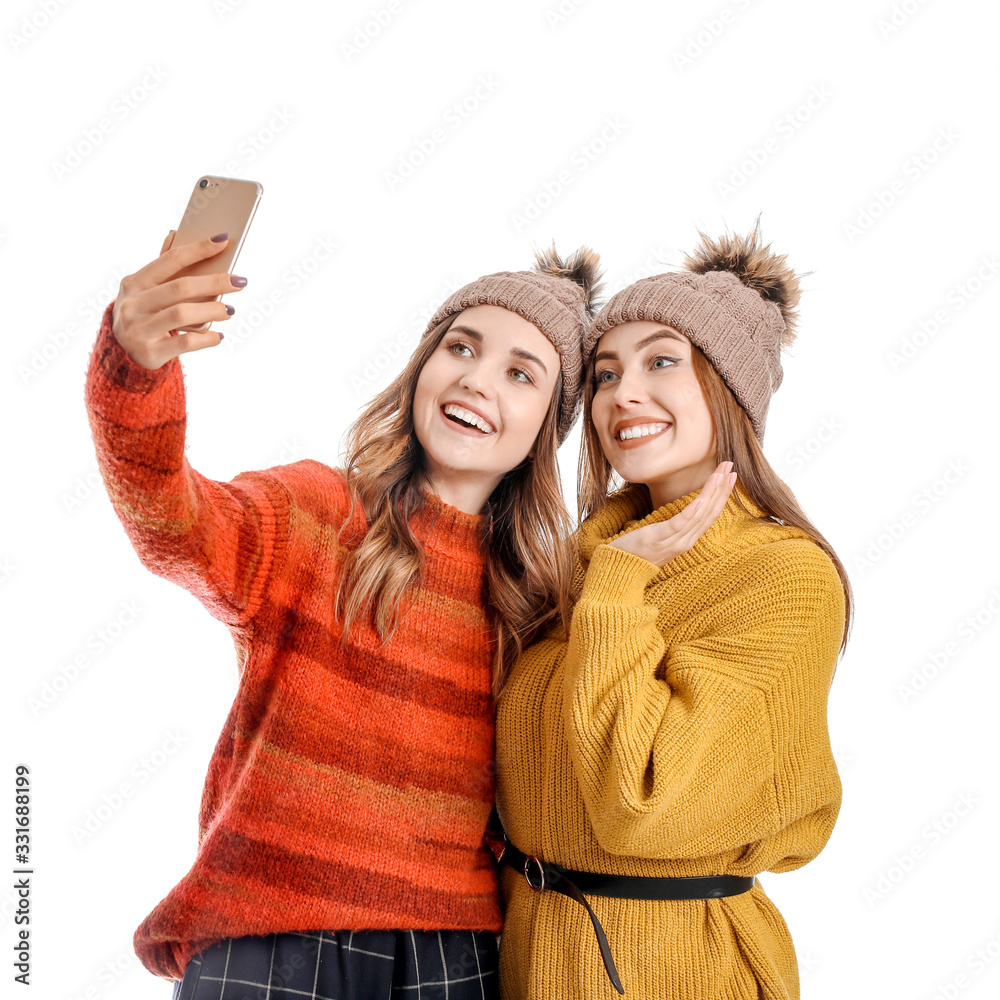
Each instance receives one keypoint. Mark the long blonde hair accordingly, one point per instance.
(735, 441)
(528, 564)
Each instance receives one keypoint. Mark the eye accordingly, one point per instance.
(664, 357)
(599, 378)
(457, 345)
(527, 380)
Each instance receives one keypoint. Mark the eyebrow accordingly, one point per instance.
(645, 342)
(517, 352)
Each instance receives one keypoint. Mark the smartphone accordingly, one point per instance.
(217, 205)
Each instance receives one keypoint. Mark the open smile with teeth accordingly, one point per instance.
(468, 418)
(641, 430)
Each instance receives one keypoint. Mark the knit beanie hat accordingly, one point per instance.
(557, 296)
(735, 301)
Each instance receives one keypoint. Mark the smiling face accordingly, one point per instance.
(649, 411)
(480, 400)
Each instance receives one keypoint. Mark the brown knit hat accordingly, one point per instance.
(735, 301)
(557, 296)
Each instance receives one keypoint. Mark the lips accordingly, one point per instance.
(638, 431)
(642, 430)
(467, 418)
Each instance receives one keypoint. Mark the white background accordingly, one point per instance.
(864, 132)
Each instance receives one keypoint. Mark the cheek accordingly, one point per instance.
(427, 381)
(423, 377)
(528, 419)
(598, 412)
(694, 408)
(701, 425)
(599, 417)
(419, 400)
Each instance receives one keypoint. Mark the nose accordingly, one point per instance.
(476, 379)
(629, 390)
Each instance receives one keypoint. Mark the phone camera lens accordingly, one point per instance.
(204, 183)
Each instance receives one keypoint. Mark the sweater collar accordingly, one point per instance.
(437, 520)
(630, 509)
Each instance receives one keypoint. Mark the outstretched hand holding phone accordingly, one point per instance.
(167, 307)
(152, 302)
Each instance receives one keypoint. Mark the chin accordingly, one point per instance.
(641, 472)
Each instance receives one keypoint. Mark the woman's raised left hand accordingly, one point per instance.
(665, 540)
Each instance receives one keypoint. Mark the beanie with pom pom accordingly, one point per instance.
(735, 301)
(557, 296)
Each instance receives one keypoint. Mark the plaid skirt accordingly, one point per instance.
(346, 965)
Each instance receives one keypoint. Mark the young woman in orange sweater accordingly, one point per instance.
(341, 842)
(676, 744)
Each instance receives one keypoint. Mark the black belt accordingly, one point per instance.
(545, 875)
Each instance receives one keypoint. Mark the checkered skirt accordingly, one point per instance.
(346, 965)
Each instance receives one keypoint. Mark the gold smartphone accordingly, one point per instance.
(217, 205)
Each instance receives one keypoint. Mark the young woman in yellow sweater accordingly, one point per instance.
(675, 744)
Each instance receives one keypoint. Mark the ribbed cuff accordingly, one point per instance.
(617, 577)
(119, 367)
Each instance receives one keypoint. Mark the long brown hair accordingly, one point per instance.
(528, 564)
(735, 442)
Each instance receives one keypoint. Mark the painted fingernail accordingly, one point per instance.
(222, 336)
(218, 238)
(230, 310)
(237, 280)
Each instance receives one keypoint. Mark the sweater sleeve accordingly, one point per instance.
(218, 540)
(675, 745)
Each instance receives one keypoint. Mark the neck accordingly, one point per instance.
(630, 509)
(467, 494)
(679, 484)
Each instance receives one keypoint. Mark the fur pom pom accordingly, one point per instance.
(756, 266)
(582, 266)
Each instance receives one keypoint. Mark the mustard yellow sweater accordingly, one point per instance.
(681, 731)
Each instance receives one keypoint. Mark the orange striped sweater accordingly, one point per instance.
(350, 787)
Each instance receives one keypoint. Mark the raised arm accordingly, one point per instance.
(218, 540)
(679, 749)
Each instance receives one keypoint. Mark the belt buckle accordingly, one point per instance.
(541, 873)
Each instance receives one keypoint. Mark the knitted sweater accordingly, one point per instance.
(680, 731)
(350, 787)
